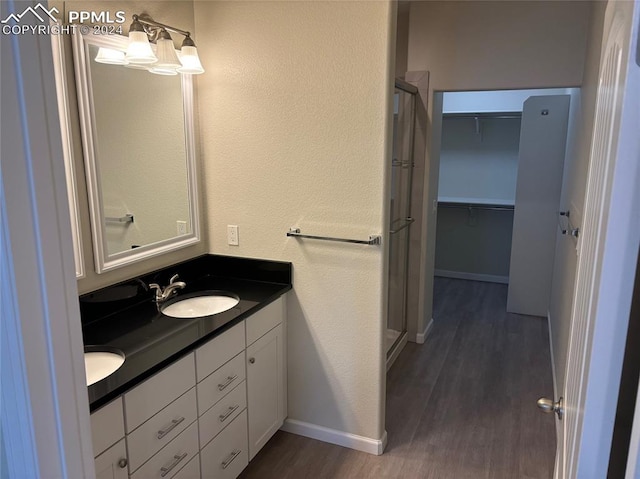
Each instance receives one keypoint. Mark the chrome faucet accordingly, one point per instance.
(164, 294)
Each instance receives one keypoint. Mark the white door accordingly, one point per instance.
(607, 252)
(543, 140)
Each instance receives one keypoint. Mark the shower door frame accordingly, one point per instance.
(395, 349)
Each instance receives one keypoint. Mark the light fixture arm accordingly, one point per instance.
(146, 20)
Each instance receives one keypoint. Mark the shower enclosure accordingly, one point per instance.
(401, 177)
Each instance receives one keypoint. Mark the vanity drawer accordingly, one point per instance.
(161, 429)
(223, 413)
(219, 350)
(226, 456)
(220, 383)
(191, 470)
(155, 393)
(107, 426)
(173, 457)
(260, 323)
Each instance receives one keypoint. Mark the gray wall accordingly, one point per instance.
(476, 167)
(476, 242)
(479, 166)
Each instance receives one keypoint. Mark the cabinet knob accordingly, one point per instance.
(252, 360)
(122, 463)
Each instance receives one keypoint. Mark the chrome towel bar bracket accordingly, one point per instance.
(373, 239)
(128, 218)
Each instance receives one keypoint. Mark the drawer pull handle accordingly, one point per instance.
(163, 432)
(252, 360)
(230, 379)
(229, 460)
(122, 463)
(176, 460)
(230, 411)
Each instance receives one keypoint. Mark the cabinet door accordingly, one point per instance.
(265, 388)
(112, 463)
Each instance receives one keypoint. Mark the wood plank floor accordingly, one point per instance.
(460, 406)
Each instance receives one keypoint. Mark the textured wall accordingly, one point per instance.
(295, 114)
(499, 45)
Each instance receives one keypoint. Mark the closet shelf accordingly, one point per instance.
(476, 206)
(475, 201)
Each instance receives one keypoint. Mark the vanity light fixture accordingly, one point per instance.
(140, 54)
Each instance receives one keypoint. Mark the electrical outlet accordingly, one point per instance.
(232, 235)
(182, 227)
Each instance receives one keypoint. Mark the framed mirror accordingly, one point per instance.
(139, 149)
(64, 114)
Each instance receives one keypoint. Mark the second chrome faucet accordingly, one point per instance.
(162, 294)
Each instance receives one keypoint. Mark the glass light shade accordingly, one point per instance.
(110, 56)
(190, 61)
(168, 62)
(139, 50)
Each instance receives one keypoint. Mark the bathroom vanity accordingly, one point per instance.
(194, 397)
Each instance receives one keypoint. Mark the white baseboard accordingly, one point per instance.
(422, 337)
(333, 436)
(487, 278)
(391, 358)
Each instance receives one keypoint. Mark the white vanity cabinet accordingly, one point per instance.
(222, 404)
(109, 450)
(266, 378)
(161, 414)
(204, 416)
(242, 402)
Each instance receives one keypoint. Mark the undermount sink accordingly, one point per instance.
(100, 362)
(201, 305)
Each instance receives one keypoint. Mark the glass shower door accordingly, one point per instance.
(401, 177)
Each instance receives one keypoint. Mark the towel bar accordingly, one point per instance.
(373, 239)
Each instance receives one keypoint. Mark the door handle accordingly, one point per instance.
(548, 406)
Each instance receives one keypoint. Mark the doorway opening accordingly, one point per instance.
(501, 162)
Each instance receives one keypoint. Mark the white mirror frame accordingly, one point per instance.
(59, 66)
(103, 261)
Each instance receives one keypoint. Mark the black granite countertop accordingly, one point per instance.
(151, 340)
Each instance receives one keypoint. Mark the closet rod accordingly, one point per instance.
(483, 116)
(473, 206)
